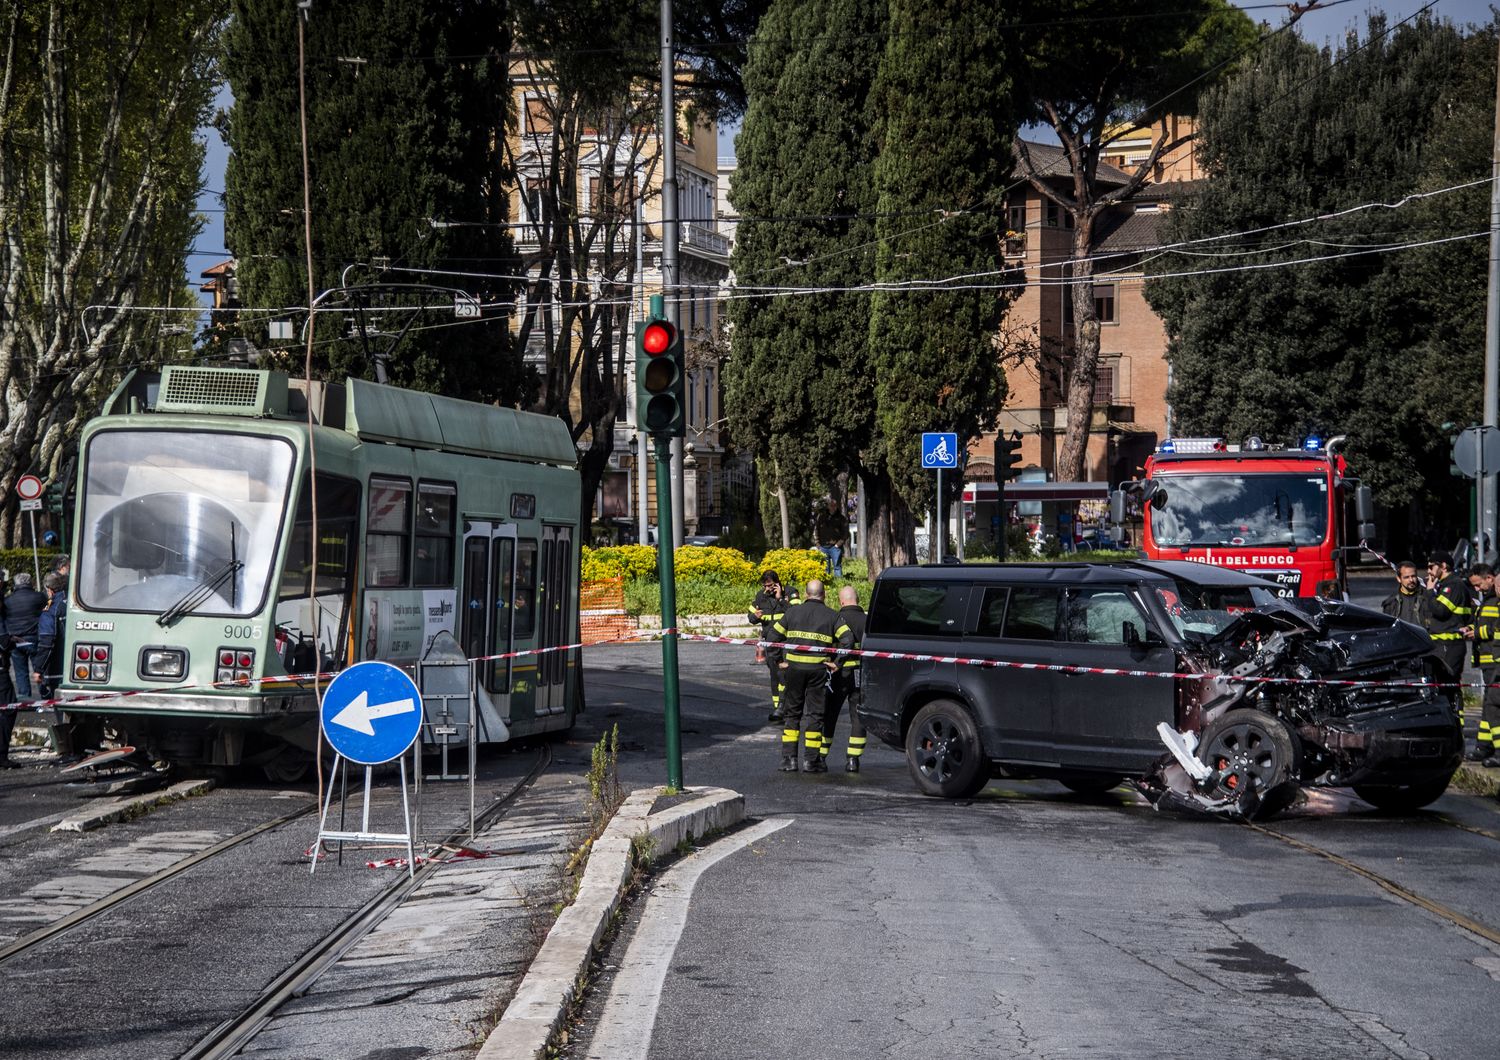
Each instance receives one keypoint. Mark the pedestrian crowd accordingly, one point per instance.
(810, 688)
(1461, 613)
(31, 625)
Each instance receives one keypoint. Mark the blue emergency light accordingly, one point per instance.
(1313, 443)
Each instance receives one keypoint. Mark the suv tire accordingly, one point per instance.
(944, 753)
(1259, 757)
(1402, 798)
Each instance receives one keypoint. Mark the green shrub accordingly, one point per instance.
(795, 566)
(728, 566)
(695, 596)
(17, 560)
(618, 561)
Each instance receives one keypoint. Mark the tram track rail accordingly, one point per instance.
(232, 1035)
(1385, 883)
(118, 898)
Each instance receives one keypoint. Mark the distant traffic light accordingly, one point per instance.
(53, 498)
(660, 399)
(1007, 458)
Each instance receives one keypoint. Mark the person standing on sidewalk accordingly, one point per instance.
(1408, 602)
(770, 604)
(831, 529)
(1450, 612)
(812, 624)
(1487, 659)
(844, 686)
(18, 621)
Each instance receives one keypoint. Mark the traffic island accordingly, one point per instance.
(551, 984)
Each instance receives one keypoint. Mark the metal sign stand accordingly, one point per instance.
(370, 714)
(364, 835)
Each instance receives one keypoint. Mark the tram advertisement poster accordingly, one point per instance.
(401, 626)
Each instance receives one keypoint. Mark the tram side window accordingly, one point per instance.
(388, 533)
(338, 518)
(525, 620)
(433, 564)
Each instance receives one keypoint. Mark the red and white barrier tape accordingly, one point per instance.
(1378, 555)
(649, 635)
(1061, 668)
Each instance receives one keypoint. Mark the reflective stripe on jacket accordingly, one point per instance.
(1451, 608)
(1487, 632)
(814, 624)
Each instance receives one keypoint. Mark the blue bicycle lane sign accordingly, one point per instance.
(939, 450)
(371, 713)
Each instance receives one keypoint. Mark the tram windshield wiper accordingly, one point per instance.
(200, 592)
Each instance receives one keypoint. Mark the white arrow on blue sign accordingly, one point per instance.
(371, 713)
(939, 450)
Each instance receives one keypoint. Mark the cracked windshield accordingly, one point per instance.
(1243, 510)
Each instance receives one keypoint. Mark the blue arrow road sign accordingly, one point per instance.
(371, 713)
(939, 450)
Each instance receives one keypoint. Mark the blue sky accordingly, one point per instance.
(1322, 26)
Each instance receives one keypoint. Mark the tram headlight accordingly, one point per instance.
(163, 663)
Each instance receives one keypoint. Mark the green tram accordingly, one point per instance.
(193, 559)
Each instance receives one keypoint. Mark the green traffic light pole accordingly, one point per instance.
(666, 568)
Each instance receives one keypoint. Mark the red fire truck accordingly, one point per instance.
(1275, 511)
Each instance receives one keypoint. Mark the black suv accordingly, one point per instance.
(1243, 681)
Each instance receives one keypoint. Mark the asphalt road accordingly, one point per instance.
(1033, 922)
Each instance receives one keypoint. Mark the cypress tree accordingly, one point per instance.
(800, 386)
(407, 107)
(949, 110)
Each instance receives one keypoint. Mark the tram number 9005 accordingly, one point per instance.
(243, 632)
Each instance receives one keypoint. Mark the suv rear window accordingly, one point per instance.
(918, 609)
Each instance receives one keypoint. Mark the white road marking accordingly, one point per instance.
(624, 1031)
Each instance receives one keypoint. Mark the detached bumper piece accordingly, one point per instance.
(1186, 784)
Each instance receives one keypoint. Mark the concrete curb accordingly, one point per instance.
(542, 999)
(107, 811)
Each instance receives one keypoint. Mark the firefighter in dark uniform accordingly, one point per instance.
(1487, 658)
(811, 624)
(770, 604)
(843, 686)
(1450, 613)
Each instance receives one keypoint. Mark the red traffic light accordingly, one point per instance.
(657, 338)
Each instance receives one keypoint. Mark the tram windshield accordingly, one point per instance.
(179, 521)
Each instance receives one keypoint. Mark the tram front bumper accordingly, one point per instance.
(185, 704)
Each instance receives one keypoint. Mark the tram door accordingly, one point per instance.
(555, 612)
(487, 601)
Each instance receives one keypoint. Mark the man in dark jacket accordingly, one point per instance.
(843, 685)
(805, 628)
(770, 604)
(18, 621)
(47, 663)
(1408, 602)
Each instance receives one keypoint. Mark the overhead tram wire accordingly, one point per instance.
(953, 283)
